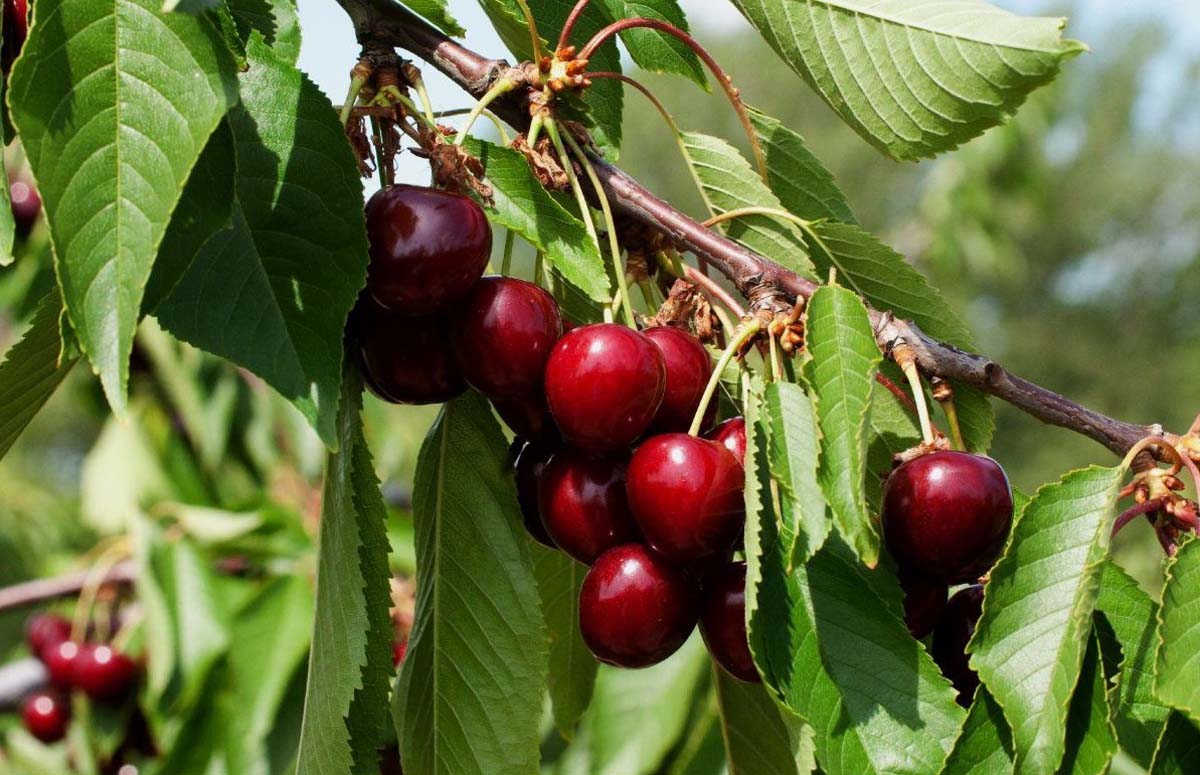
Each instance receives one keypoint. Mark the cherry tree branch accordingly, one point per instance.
(40, 590)
(386, 23)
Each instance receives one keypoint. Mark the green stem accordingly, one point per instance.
(918, 390)
(744, 334)
(535, 129)
(501, 130)
(506, 262)
(500, 87)
(382, 168)
(356, 85)
(952, 420)
(419, 84)
(539, 269)
(535, 38)
(774, 212)
(776, 360)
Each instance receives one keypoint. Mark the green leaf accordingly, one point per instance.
(1178, 748)
(728, 182)
(702, 749)
(889, 283)
(114, 102)
(572, 667)
(350, 667)
(273, 292)
(436, 13)
(1132, 617)
(914, 77)
(802, 183)
(8, 225)
(760, 737)
(893, 429)
(845, 357)
(188, 6)
(793, 454)
(277, 21)
(1091, 737)
(984, 747)
(469, 697)
(1179, 633)
(32, 370)
(657, 51)
(1049, 574)
(521, 204)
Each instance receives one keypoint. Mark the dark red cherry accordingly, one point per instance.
(502, 335)
(946, 515)
(406, 360)
(399, 649)
(26, 204)
(582, 501)
(924, 602)
(688, 369)
(428, 248)
(46, 716)
(950, 638)
(61, 661)
(731, 434)
(527, 470)
(723, 621)
(686, 496)
(16, 28)
(604, 382)
(528, 418)
(635, 608)
(45, 630)
(104, 673)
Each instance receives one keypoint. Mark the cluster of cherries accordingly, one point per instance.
(605, 469)
(100, 671)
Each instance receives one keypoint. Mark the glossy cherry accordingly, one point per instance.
(406, 360)
(527, 470)
(723, 620)
(686, 495)
(428, 248)
(731, 434)
(581, 497)
(688, 368)
(45, 630)
(924, 602)
(502, 335)
(946, 515)
(104, 674)
(636, 608)
(16, 29)
(604, 382)
(61, 661)
(950, 638)
(46, 716)
(528, 418)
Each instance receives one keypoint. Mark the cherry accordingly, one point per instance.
(583, 505)
(604, 382)
(924, 602)
(45, 630)
(46, 715)
(527, 470)
(104, 673)
(950, 638)
(686, 495)
(688, 369)
(635, 607)
(502, 336)
(528, 418)
(428, 248)
(16, 28)
(399, 649)
(731, 434)
(61, 661)
(406, 360)
(946, 515)
(723, 621)
(26, 204)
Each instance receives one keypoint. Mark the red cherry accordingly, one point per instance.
(527, 470)
(26, 204)
(946, 515)
(399, 649)
(686, 495)
(723, 621)
(502, 336)
(16, 28)
(950, 638)
(731, 434)
(61, 661)
(46, 716)
(528, 418)
(635, 607)
(604, 382)
(428, 248)
(45, 630)
(924, 602)
(688, 369)
(406, 360)
(583, 506)
(104, 673)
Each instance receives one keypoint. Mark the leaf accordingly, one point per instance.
(350, 667)
(802, 183)
(702, 749)
(32, 370)
(1091, 737)
(1178, 748)
(188, 6)
(1179, 633)
(728, 182)
(572, 667)
(436, 13)
(114, 103)
(469, 697)
(272, 293)
(793, 453)
(8, 225)
(278, 21)
(760, 739)
(657, 51)
(845, 357)
(1049, 574)
(1132, 617)
(984, 747)
(914, 77)
(521, 204)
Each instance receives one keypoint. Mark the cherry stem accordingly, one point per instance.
(776, 369)
(107, 560)
(1136, 510)
(1154, 441)
(500, 87)
(565, 161)
(564, 37)
(539, 269)
(534, 37)
(726, 82)
(714, 289)
(952, 420)
(535, 129)
(748, 330)
(1190, 465)
(913, 375)
(418, 83)
(382, 167)
(501, 129)
(356, 85)
(896, 390)
(509, 241)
